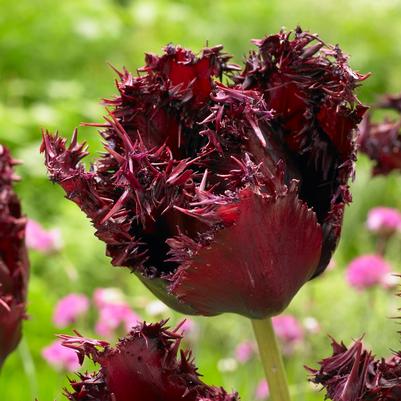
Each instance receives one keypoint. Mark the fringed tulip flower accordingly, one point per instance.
(367, 271)
(222, 197)
(143, 366)
(13, 260)
(381, 142)
(353, 374)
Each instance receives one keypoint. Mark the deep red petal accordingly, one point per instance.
(256, 266)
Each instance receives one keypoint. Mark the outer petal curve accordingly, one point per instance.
(265, 277)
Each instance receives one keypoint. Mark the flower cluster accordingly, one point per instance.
(381, 142)
(199, 176)
(14, 266)
(143, 366)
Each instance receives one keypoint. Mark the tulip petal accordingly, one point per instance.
(285, 248)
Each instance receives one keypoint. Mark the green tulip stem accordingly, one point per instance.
(272, 360)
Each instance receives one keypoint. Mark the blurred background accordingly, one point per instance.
(54, 72)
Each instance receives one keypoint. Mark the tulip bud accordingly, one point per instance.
(143, 366)
(222, 197)
(13, 259)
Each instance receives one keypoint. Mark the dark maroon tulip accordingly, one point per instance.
(355, 375)
(144, 366)
(13, 260)
(381, 142)
(222, 197)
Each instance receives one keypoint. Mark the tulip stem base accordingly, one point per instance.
(272, 361)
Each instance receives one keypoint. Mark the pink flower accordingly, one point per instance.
(69, 309)
(60, 357)
(262, 390)
(113, 312)
(287, 328)
(384, 220)
(111, 317)
(39, 239)
(367, 271)
(289, 331)
(245, 351)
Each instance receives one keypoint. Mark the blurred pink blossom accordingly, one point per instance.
(245, 351)
(41, 240)
(60, 357)
(289, 331)
(114, 312)
(69, 309)
(384, 220)
(367, 271)
(112, 316)
(262, 390)
(287, 328)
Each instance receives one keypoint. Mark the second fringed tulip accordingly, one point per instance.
(13, 260)
(381, 141)
(222, 197)
(144, 366)
(354, 374)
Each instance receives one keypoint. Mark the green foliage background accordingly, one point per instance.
(53, 73)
